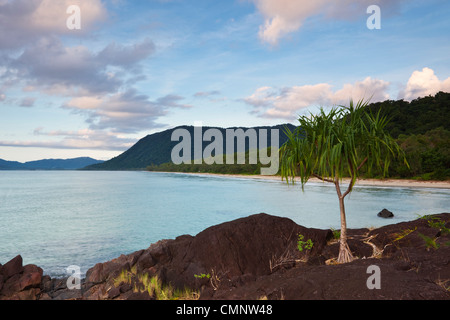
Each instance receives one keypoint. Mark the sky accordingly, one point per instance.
(90, 78)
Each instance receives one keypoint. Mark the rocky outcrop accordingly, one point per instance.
(385, 213)
(261, 257)
(237, 251)
(18, 282)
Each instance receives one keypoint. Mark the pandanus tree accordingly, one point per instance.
(335, 145)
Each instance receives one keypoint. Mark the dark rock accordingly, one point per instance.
(125, 287)
(247, 246)
(385, 214)
(30, 280)
(31, 294)
(32, 268)
(23, 283)
(237, 259)
(67, 294)
(145, 261)
(113, 293)
(46, 283)
(11, 286)
(12, 267)
(31, 277)
(95, 274)
(102, 272)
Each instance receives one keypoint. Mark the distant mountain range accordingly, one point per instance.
(49, 164)
(156, 149)
(408, 119)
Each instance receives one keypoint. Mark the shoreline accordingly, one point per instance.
(397, 183)
(249, 278)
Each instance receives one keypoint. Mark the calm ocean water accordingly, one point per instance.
(59, 218)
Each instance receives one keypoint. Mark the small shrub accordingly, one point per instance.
(202, 276)
(404, 233)
(304, 245)
(437, 223)
(430, 242)
(336, 234)
(154, 286)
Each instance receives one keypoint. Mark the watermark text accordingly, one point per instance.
(235, 143)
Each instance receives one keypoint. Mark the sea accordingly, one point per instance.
(57, 219)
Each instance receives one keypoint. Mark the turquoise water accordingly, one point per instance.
(59, 218)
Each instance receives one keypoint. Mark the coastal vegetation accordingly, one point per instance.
(156, 149)
(153, 286)
(304, 245)
(420, 127)
(337, 144)
(224, 168)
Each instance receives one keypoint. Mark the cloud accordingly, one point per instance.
(373, 89)
(76, 70)
(81, 139)
(62, 70)
(287, 102)
(27, 102)
(96, 83)
(171, 101)
(33, 55)
(126, 56)
(423, 83)
(28, 20)
(282, 17)
(212, 96)
(124, 112)
(204, 94)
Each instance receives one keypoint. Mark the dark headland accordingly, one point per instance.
(257, 257)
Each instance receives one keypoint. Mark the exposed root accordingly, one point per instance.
(345, 255)
(377, 252)
(331, 262)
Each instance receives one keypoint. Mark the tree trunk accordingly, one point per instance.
(345, 255)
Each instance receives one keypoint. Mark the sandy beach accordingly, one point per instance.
(362, 182)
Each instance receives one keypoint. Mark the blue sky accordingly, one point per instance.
(138, 67)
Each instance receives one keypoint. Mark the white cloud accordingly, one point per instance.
(424, 83)
(282, 17)
(373, 89)
(286, 103)
(124, 112)
(97, 83)
(27, 20)
(77, 70)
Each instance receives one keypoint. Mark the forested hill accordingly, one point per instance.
(421, 127)
(49, 164)
(416, 117)
(156, 149)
